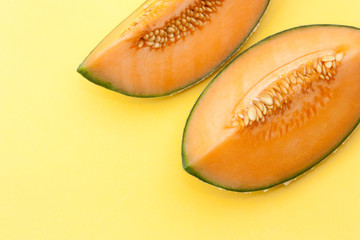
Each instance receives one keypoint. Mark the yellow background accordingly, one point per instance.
(78, 161)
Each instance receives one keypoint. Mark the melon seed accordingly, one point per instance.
(266, 99)
(258, 104)
(293, 79)
(252, 113)
(259, 113)
(141, 43)
(328, 64)
(318, 68)
(339, 56)
(246, 120)
(276, 88)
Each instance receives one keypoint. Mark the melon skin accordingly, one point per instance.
(101, 66)
(101, 83)
(186, 159)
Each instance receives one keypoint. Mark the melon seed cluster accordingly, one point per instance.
(189, 20)
(279, 93)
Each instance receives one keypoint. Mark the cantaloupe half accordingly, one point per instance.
(277, 110)
(168, 45)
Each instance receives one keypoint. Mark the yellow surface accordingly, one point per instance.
(78, 161)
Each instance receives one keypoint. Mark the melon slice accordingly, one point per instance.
(277, 110)
(168, 45)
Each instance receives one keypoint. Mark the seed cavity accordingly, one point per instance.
(192, 18)
(279, 93)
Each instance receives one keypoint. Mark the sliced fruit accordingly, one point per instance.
(168, 45)
(277, 110)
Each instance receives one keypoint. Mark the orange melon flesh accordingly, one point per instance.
(119, 64)
(287, 143)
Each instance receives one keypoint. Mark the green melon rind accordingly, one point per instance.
(85, 73)
(88, 76)
(193, 172)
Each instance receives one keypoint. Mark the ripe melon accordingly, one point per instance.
(168, 45)
(277, 110)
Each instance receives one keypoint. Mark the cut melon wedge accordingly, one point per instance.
(168, 45)
(277, 110)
